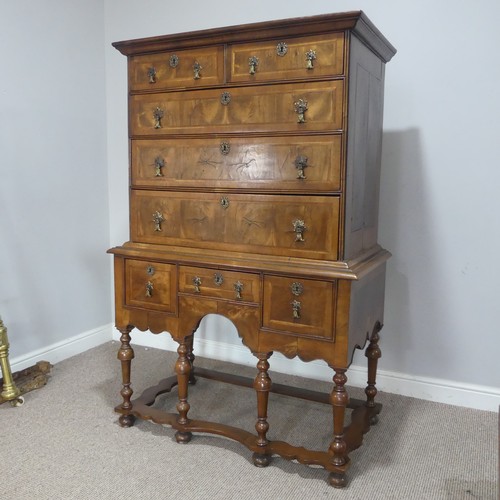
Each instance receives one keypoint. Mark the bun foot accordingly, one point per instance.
(374, 420)
(126, 420)
(183, 437)
(261, 460)
(337, 480)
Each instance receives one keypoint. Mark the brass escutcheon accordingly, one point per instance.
(281, 49)
(173, 61)
(224, 202)
(297, 288)
(218, 279)
(225, 98)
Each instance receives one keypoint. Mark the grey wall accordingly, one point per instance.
(54, 222)
(440, 177)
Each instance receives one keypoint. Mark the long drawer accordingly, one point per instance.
(296, 226)
(299, 107)
(308, 163)
(303, 57)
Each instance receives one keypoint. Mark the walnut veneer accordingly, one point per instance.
(254, 181)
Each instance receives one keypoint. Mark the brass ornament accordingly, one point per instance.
(296, 305)
(158, 219)
(158, 115)
(225, 148)
(225, 98)
(253, 62)
(159, 164)
(297, 288)
(310, 58)
(149, 289)
(300, 165)
(197, 284)
(197, 67)
(281, 49)
(150, 270)
(299, 226)
(173, 61)
(152, 74)
(224, 202)
(238, 288)
(218, 279)
(9, 392)
(301, 108)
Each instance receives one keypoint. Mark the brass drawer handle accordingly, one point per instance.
(152, 74)
(253, 62)
(296, 305)
(158, 115)
(159, 164)
(301, 108)
(158, 219)
(238, 288)
(300, 165)
(197, 67)
(197, 284)
(149, 289)
(310, 58)
(299, 226)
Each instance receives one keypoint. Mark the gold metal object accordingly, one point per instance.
(296, 309)
(300, 108)
(218, 279)
(225, 148)
(300, 165)
(310, 58)
(253, 62)
(238, 288)
(149, 289)
(281, 49)
(225, 98)
(159, 164)
(173, 61)
(152, 74)
(297, 288)
(197, 68)
(224, 202)
(158, 219)
(299, 226)
(158, 115)
(197, 284)
(150, 270)
(10, 392)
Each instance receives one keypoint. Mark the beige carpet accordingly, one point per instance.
(65, 443)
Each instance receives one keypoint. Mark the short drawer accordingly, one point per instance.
(151, 285)
(295, 226)
(182, 68)
(297, 163)
(299, 306)
(287, 59)
(219, 283)
(299, 107)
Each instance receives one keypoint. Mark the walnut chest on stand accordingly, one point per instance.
(254, 184)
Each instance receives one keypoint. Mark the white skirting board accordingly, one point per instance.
(431, 389)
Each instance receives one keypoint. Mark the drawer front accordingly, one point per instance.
(300, 306)
(310, 163)
(177, 69)
(246, 109)
(151, 285)
(306, 57)
(297, 226)
(219, 284)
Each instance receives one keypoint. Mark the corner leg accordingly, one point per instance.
(183, 369)
(126, 355)
(338, 447)
(262, 386)
(373, 353)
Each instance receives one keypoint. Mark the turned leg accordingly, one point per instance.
(126, 355)
(191, 357)
(373, 353)
(182, 369)
(338, 448)
(262, 386)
